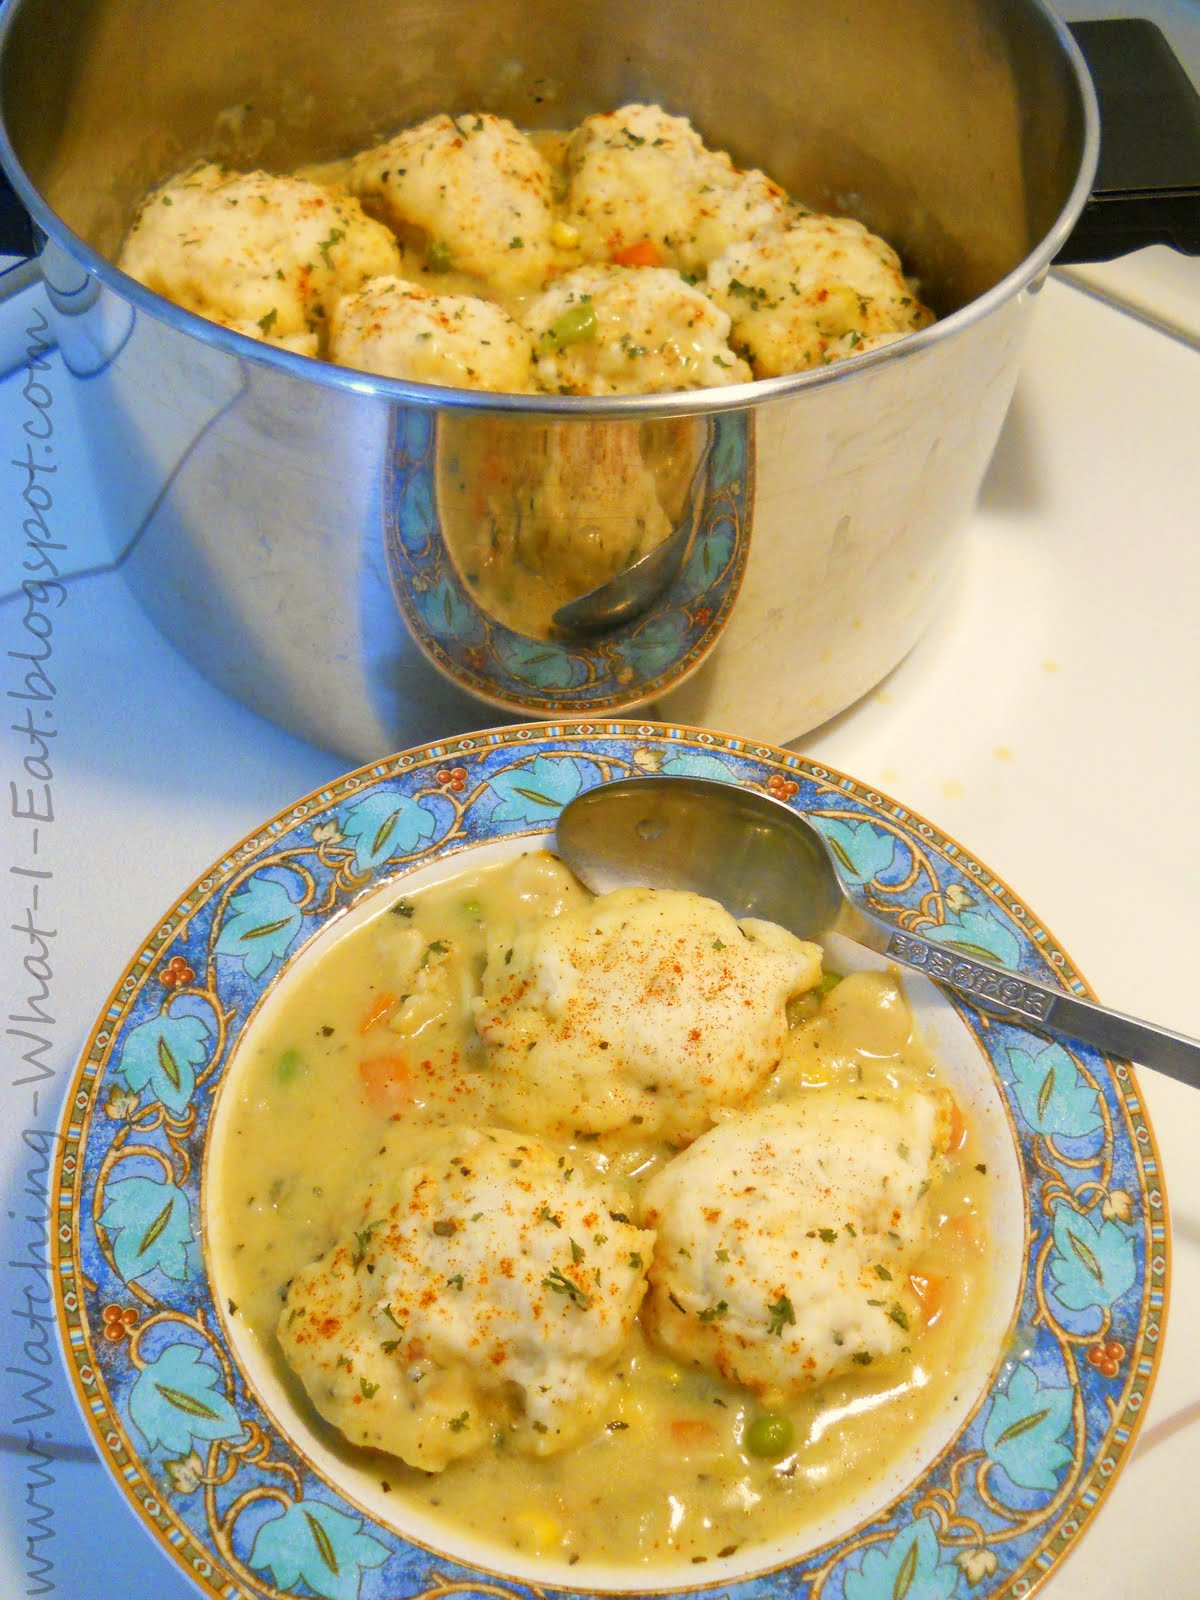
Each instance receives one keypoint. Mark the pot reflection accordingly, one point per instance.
(494, 525)
(536, 515)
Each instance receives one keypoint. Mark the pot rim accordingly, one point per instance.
(690, 402)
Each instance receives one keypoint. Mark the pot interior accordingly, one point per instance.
(953, 127)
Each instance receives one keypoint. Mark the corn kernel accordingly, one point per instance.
(564, 235)
(536, 1531)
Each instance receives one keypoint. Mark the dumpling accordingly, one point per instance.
(629, 330)
(813, 291)
(786, 1237)
(652, 1007)
(471, 192)
(483, 1286)
(643, 187)
(267, 256)
(397, 329)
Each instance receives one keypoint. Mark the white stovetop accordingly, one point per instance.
(1050, 721)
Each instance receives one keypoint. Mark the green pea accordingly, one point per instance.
(771, 1435)
(438, 257)
(289, 1064)
(576, 324)
(472, 908)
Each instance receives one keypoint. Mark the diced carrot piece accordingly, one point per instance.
(387, 1083)
(378, 1011)
(930, 1291)
(956, 1128)
(965, 1229)
(692, 1433)
(645, 253)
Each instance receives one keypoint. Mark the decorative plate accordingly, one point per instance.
(985, 1508)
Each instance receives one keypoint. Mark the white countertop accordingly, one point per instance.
(1049, 721)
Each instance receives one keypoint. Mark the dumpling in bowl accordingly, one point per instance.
(266, 256)
(644, 189)
(647, 1006)
(813, 291)
(629, 330)
(480, 1289)
(470, 192)
(786, 1237)
(397, 329)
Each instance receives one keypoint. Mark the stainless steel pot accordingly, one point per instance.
(292, 526)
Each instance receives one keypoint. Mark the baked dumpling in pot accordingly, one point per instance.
(812, 291)
(644, 189)
(267, 256)
(471, 193)
(400, 330)
(629, 330)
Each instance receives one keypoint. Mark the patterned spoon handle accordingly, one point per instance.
(1049, 1010)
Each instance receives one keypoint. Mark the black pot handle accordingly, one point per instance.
(1147, 188)
(16, 228)
(18, 237)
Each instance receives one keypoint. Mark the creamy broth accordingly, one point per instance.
(684, 1467)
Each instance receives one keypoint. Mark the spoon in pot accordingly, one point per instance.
(759, 858)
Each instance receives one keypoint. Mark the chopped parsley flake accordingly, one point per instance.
(557, 1281)
(363, 1241)
(746, 290)
(781, 1314)
(327, 244)
(711, 1313)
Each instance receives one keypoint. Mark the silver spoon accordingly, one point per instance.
(759, 858)
(625, 596)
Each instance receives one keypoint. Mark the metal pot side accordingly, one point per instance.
(289, 525)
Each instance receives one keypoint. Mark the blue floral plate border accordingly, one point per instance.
(244, 1513)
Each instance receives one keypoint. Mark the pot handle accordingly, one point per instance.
(17, 238)
(1147, 188)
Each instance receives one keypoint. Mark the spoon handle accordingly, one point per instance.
(1048, 1010)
